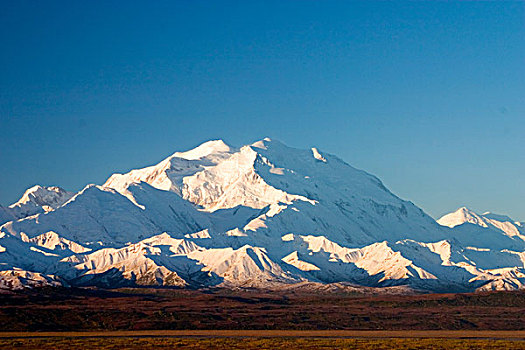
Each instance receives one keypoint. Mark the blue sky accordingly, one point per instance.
(428, 96)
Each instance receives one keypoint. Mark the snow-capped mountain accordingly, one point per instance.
(263, 215)
(502, 223)
(37, 199)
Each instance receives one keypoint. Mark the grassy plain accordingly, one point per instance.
(182, 319)
(161, 309)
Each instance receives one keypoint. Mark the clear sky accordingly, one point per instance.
(428, 96)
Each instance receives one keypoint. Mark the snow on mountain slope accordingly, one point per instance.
(20, 279)
(378, 264)
(101, 216)
(315, 196)
(129, 265)
(17, 254)
(501, 222)
(215, 149)
(350, 204)
(510, 279)
(438, 266)
(262, 215)
(51, 197)
(168, 174)
(163, 260)
(52, 241)
(486, 230)
(297, 261)
(501, 284)
(37, 199)
(246, 266)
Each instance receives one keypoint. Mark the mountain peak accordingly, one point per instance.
(487, 220)
(51, 196)
(35, 200)
(205, 149)
(461, 216)
(464, 210)
(264, 143)
(29, 193)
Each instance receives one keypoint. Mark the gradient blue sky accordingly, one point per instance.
(430, 97)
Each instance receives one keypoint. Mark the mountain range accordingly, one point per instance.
(264, 215)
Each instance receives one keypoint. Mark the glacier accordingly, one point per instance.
(263, 215)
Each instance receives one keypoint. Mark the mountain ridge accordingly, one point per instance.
(264, 215)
